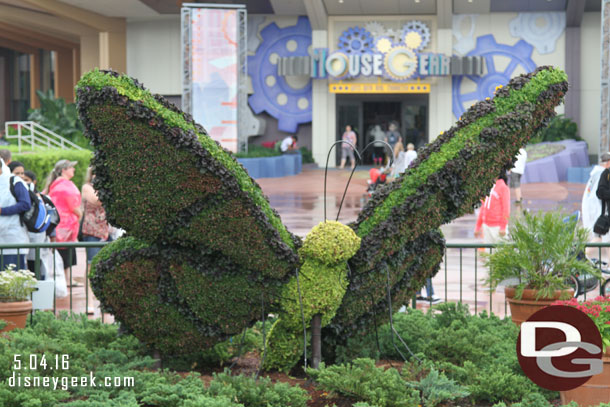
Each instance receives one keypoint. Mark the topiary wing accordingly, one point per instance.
(161, 178)
(449, 177)
(179, 301)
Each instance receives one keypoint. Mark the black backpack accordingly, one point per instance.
(42, 215)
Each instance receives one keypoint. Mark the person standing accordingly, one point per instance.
(516, 172)
(378, 136)
(95, 226)
(591, 204)
(392, 136)
(411, 155)
(66, 197)
(347, 150)
(494, 214)
(11, 229)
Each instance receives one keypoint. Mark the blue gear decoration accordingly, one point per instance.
(356, 40)
(421, 28)
(265, 97)
(520, 54)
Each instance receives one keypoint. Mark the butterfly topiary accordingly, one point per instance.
(206, 255)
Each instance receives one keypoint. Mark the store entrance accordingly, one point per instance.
(371, 115)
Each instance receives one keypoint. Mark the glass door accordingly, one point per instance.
(415, 120)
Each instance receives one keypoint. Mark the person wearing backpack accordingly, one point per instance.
(12, 231)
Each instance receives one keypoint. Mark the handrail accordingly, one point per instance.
(38, 136)
(460, 269)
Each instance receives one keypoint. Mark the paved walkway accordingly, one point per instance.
(300, 201)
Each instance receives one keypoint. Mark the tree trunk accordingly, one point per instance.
(316, 340)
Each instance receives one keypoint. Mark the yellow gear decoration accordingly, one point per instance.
(384, 45)
(413, 39)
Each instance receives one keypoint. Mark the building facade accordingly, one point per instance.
(317, 65)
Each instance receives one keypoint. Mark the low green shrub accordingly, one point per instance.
(307, 155)
(96, 347)
(534, 400)
(477, 352)
(436, 388)
(255, 151)
(362, 381)
(60, 117)
(257, 393)
(251, 340)
(558, 128)
(42, 163)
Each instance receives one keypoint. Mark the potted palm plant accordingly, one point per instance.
(16, 286)
(541, 257)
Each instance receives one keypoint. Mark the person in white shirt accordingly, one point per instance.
(410, 155)
(289, 144)
(516, 172)
(11, 229)
(592, 205)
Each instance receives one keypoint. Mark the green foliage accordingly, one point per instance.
(535, 400)
(205, 222)
(362, 381)
(322, 285)
(162, 302)
(42, 163)
(307, 155)
(255, 151)
(253, 393)
(330, 242)
(250, 340)
(436, 388)
(60, 117)
(16, 285)
(97, 347)
(477, 352)
(208, 224)
(542, 252)
(559, 128)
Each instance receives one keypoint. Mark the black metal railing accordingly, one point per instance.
(460, 262)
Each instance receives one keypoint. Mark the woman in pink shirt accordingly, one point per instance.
(494, 214)
(66, 197)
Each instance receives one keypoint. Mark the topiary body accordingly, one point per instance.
(319, 289)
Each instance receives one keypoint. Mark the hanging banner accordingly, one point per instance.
(214, 72)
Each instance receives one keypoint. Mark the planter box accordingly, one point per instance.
(554, 168)
(273, 167)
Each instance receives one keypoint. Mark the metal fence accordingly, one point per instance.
(461, 275)
(37, 248)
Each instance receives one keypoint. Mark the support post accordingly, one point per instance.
(316, 340)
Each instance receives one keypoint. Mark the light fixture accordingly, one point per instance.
(417, 1)
(340, 1)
